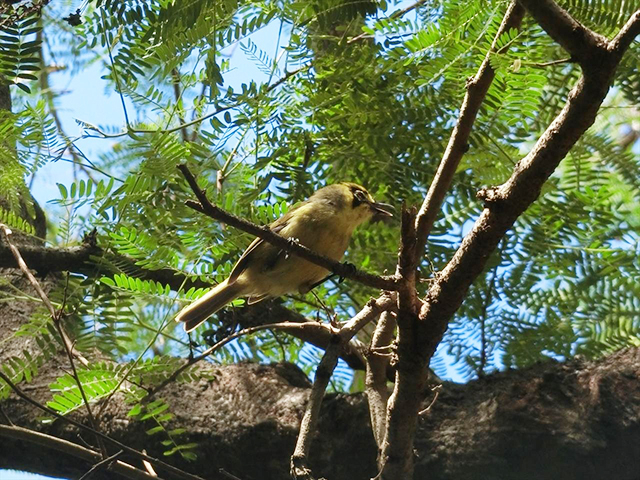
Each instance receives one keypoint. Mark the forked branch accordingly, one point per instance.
(503, 205)
(373, 309)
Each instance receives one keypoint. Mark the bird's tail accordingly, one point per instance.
(196, 313)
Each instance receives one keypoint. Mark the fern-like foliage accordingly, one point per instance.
(343, 91)
(19, 47)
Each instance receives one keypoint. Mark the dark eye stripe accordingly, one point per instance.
(358, 198)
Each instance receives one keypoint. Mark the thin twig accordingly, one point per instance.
(224, 341)
(177, 93)
(227, 474)
(49, 94)
(57, 322)
(6, 231)
(264, 232)
(436, 391)
(551, 63)
(201, 119)
(150, 470)
(396, 14)
(107, 461)
(5, 416)
(116, 78)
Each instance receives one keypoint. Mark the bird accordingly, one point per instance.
(324, 223)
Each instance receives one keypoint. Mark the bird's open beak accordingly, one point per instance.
(381, 210)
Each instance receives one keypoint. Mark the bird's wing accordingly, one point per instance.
(244, 261)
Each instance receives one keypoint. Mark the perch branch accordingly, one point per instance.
(264, 232)
(86, 259)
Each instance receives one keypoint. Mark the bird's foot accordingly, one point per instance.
(292, 241)
(352, 270)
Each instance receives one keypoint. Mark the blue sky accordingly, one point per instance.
(14, 475)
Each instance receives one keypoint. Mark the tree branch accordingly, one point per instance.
(397, 14)
(85, 259)
(627, 34)
(56, 317)
(299, 461)
(20, 263)
(344, 270)
(396, 458)
(580, 42)
(582, 416)
(74, 450)
(195, 121)
(247, 331)
(159, 463)
(378, 357)
(503, 205)
(477, 89)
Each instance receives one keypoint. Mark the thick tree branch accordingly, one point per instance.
(503, 205)
(396, 459)
(580, 42)
(90, 259)
(344, 270)
(477, 89)
(581, 417)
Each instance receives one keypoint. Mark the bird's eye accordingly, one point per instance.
(358, 198)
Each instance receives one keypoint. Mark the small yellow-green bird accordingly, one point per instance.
(323, 223)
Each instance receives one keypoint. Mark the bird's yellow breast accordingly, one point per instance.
(276, 273)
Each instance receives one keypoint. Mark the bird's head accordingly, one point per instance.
(352, 203)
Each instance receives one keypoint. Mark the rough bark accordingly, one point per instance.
(579, 420)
